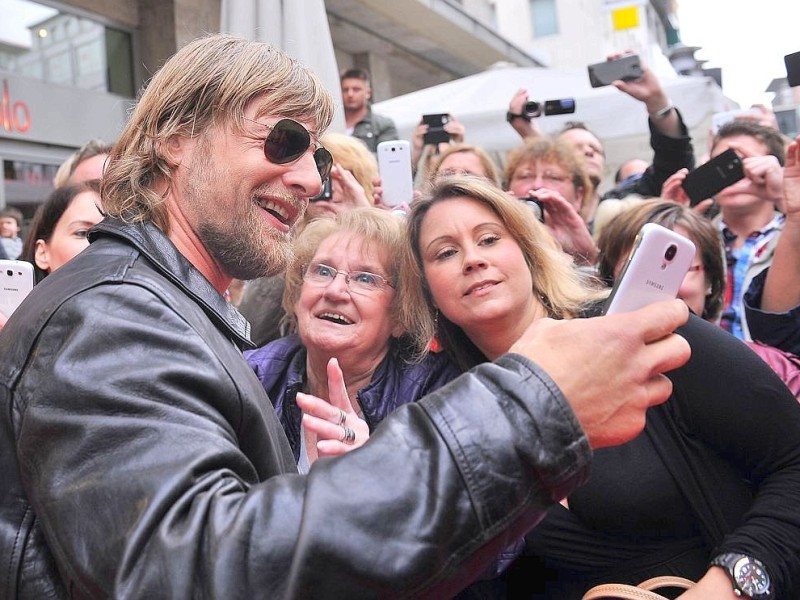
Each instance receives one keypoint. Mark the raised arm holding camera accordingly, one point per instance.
(669, 138)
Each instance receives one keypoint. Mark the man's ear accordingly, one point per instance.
(173, 149)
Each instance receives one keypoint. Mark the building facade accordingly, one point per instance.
(69, 70)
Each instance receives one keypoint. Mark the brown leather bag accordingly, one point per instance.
(643, 591)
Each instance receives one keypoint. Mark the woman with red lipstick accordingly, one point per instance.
(343, 300)
(712, 481)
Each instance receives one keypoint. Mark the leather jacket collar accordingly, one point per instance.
(157, 248)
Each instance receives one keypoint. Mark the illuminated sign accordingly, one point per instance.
(14, 116)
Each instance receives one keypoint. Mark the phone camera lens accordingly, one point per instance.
(672, 250)
(9, 272)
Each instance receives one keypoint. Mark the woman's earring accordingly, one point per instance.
(546, 304)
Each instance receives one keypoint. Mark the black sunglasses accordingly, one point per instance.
(288, 140)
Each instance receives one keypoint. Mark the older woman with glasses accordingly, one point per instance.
(547, 174)
(342, 298)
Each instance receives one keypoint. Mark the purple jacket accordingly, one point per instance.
(281, 368)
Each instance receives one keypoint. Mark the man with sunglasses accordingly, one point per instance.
(139, 454)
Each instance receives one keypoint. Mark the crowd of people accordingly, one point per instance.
(233, 380)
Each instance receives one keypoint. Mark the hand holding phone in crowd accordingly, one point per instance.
(654, 271)
(16, 277)
(394, 165)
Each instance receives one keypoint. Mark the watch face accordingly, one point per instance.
(751, 577)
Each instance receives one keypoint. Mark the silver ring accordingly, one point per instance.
(342, 417)
(348, 437)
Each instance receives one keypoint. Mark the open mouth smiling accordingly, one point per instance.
(279, 211)
(335, 318)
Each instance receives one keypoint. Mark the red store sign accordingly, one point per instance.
(14, 116)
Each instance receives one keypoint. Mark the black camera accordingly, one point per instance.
(561, 106)
(532, 109)
(536, 207)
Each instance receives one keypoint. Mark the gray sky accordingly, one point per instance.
(747, 38)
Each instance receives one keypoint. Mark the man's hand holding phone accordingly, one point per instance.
(765, 173)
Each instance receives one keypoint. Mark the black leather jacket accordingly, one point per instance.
(141, 458)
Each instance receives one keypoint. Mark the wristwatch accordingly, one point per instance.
(748, 575)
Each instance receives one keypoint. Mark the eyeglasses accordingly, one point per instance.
(287, 142)
(547, 176)
(359, 282)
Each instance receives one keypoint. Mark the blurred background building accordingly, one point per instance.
(69, 70)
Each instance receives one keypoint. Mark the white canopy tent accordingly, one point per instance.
(480, 102)
(298, 28)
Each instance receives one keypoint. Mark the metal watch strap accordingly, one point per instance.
(729, 561)
(662, 114)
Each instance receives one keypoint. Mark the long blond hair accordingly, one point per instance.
(563, 290)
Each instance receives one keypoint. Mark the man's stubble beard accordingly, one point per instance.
(239, 238)
(255, 249)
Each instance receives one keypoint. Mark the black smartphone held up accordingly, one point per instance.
(562, 106)
(654, 271)
(792, 68)
(707, 180)
(625, 68)
(436, 133)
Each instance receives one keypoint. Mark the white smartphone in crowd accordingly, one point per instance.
(394, 164)
(654, 271)
(16, 277)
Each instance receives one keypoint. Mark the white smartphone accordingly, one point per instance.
(394, 164)
(16, 277)
(656, 266)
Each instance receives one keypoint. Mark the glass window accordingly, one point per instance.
(59, 68)
(50, 45)
(543, 15)
(26, 182)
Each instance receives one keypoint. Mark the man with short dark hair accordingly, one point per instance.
(139, 454)
(749, 220)
(361, 122)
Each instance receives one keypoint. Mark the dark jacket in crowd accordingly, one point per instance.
(781, 330)
(669, 155)
(281, 368)
(141, 458)
(374, 129)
